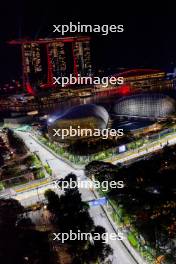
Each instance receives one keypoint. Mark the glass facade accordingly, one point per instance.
(88, 116)
(145, 105)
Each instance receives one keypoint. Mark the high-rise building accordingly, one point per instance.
(43, 59)
(57, 57)
(83, 62)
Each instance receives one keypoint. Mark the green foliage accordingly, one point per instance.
(71, 213)
(19, 237)
(31, 159)
(1, 186)
(12, 171)
(48, 169)
(138, 204)
(133, 240)
(16, 142)
(40, 175)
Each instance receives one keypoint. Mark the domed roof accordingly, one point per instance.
(88, 116)
(145, 105)
(86, 110)
(83, 111)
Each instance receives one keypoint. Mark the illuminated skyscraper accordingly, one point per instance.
(43, 59)
(57, 56)
(83, 62)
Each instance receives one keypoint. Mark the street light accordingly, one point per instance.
(38, 194)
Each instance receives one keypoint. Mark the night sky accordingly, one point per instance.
(149, 39)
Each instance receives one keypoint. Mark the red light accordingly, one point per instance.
(29, 89)
(124, 89)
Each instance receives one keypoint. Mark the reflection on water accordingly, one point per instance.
(105, 99)
(131, 125)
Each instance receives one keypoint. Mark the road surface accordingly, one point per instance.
(61, 169)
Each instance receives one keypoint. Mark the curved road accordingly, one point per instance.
(61, 169)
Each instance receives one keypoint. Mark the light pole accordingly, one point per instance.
(38, 195)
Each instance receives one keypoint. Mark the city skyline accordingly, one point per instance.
(87, 133)
(148, 39)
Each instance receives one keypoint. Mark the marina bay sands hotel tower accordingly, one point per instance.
(43, 59)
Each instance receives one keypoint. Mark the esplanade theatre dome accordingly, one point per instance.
(88, 116)
(145, 105)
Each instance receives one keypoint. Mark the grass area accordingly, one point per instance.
(17, 177)
(80, 160)
(122, 219)
(48, 169)
(116, 219)
(133, 240)
(40, 175)
(102, 155)
(33, 160)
